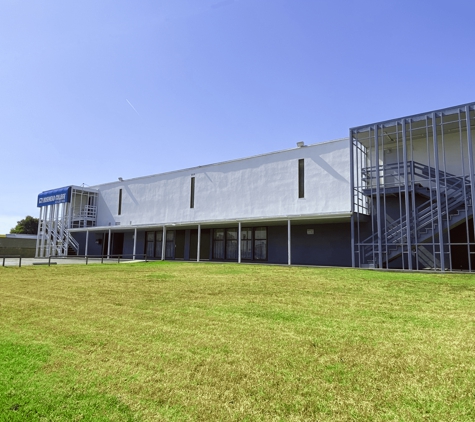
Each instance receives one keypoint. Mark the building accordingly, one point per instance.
(14, 244)
(396, 194)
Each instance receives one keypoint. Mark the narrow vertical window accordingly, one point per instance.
(218, 244)
(119, 211)
(246, 243)
(158, 244)
(260, 243)
(170, 245)
(192, 192)
(149, 236)
(301, 179)
(231, 244)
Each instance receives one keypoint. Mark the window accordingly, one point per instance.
(119, 211)
(192, 192)
(218, 243)
(231, 244)
(170, 245)
(158, 244)
(150, 236)
(301, 179)
(246, 243)
(153, 244)
(253, 244)
(260, 243)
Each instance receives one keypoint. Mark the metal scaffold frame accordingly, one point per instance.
(79, 209)
(412, 183)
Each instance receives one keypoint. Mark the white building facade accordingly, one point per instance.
(396, 194)
(278, 208)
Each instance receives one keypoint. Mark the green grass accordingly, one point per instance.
(200, 342)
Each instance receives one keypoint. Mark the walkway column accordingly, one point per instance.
(239, 242)
(109, 244)
(44, 228)
(199, 244)
(289, 251)
(56, 230)
(87, 242)
(164, 242)
(38, 234)
(135, 244)
(51, 230)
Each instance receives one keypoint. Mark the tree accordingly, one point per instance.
(29, 225)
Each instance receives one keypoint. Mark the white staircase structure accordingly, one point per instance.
(60, 210)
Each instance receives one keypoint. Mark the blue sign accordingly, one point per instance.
(55, 196)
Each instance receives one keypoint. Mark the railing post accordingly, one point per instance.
(19, 265)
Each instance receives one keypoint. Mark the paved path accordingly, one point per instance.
(14, 262)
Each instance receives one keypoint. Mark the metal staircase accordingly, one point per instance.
(59, 240)
(454, 207)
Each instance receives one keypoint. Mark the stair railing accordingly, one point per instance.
(456, 189)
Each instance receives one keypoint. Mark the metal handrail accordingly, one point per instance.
(456, 190)
(11, 257)
(101, 257)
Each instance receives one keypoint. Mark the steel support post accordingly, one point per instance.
(470, 161)
(352, 199)
(109, 244)
(56, 229)
(289, 244)
(466, 205)
(63, 232)
(51, 234)
(438, 196)
(413, 198)
(43, 231)
(135, 244)
(86, 248)
(378, 198)
(239, 242)
(164, 243)
(38, 233)
(70, 212)
(406, 197)
(199, 244)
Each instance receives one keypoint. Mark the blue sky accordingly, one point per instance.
(96, 89)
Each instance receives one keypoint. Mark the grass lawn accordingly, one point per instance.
(222, 342)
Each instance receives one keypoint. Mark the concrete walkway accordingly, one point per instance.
(14, 262)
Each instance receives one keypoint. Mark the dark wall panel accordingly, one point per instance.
(277, 244)
(329, 245)
(129, 245)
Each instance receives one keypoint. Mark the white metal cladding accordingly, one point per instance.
(252, 188)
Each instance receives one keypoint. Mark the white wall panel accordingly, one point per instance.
(256, 187)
